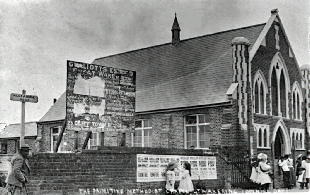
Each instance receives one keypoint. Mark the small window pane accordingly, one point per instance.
(147, 123)
(204, 118)
(204, 136)
(191, 133)
(55, 130)
(138, 124)
(191, 119)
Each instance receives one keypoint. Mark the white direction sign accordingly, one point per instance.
(24, 97)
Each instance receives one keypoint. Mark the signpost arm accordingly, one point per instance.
(60, 135)
(22, 132)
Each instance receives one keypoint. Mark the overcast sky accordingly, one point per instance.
(37, 37)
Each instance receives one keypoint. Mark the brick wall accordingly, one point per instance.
(109, 167)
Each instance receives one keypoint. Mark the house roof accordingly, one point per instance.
(57, 111)
(197, 71)
(13, 130)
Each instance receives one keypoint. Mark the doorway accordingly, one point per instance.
(278, 144)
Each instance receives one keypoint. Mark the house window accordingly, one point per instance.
(296, 104)
(94, 140)
(297, 138)
(142, 137)
(260, 89)
(262, 135)
(63, 147)
(3, 148)
(197, 131)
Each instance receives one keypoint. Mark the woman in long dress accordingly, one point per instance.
(186, 184)
(305, 164)
(263, 172)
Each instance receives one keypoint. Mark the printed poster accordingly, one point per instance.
(153, 167)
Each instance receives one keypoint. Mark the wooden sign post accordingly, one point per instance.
(23, 98)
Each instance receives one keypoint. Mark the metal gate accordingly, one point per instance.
(240, 173)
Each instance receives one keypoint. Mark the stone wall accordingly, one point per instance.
(102, 169)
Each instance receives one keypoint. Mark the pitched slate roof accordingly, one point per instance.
(13, 130)
(197, 71)
(57, 111)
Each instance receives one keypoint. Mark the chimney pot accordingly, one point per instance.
(274, 11)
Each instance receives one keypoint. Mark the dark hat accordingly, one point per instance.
(171, 165)
(24, 147)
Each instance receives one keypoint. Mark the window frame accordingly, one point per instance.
(197, 124)
(142, 129)
(262, 128)
(97, 140)
(297, 96)
(299, 133)
(63, 142)
(278, 64)
(260, 82)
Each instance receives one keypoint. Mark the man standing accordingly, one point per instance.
(283, 162)
(19, 171)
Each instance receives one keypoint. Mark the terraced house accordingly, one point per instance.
(240, 91)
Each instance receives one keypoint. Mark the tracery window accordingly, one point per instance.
(279, 83)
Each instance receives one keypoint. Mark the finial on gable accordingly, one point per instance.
(274, 11)
(175, 31)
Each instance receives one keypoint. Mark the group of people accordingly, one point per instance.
(287, 167)
(261, 172)
(303, 170)
(185, 185)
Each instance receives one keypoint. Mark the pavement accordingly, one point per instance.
(294, 190)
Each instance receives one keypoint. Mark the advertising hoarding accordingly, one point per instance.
(99, 98)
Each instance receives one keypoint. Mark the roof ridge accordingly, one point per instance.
(200, 70)
(25, 123)
(169, 43)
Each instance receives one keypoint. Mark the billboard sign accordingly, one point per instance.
(99, 98)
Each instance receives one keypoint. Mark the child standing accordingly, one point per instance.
(170, 178)
(186, 184)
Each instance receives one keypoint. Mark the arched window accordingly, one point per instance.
(282, 95)
(256, 98)
(297, 99)
(265, 137)
(260, 138)
(262, 99)
(280, 86)
(259, 91)
(274, 92)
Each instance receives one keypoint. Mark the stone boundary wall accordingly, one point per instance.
(104, 170)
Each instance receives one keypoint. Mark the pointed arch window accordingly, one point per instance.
(260, 90)
(282, 95)
(274, 92)
(279, 82)
(297, 101)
